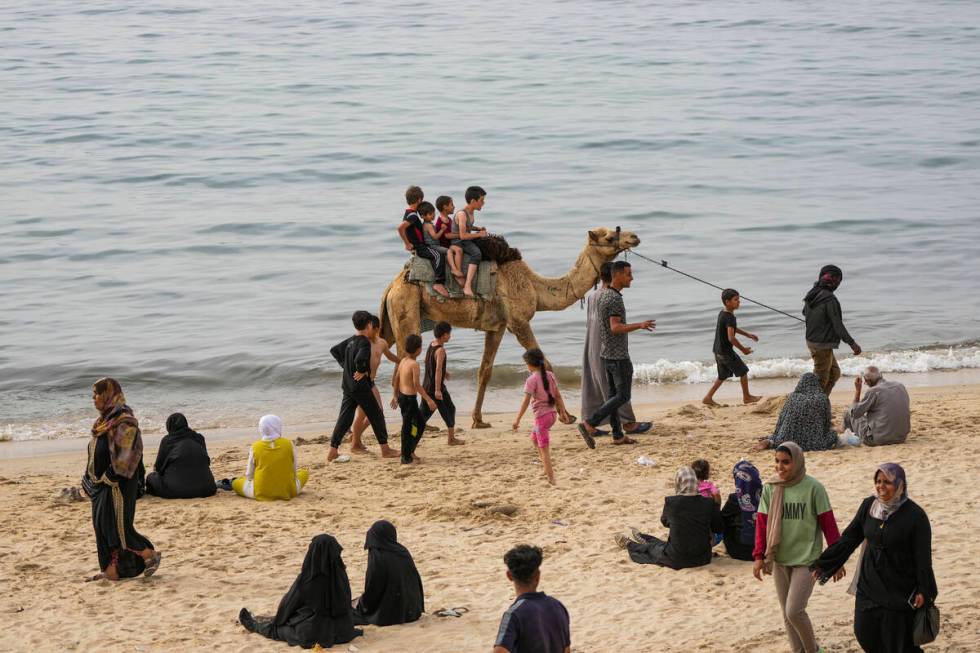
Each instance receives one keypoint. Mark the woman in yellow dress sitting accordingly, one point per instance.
(272, 472)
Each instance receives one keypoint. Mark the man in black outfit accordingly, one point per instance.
(354, 355)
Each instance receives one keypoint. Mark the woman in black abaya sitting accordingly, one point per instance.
(317, 608)
(392, 586)
(112, 481)
(183, 467)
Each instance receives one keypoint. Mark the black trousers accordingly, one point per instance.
(348, 406)
(436, 258)
(620, 376)
(413, 425)
(883, 631)
(445, 406)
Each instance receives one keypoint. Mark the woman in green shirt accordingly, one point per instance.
(793, 511)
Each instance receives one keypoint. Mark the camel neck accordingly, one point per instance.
(558, 293)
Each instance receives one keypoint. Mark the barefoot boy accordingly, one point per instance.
(379, 347)
(354, 355)
(729, 364)
(435, 378)
(467, 232)
(405, 383)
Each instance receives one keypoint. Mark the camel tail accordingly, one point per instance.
(386, 331)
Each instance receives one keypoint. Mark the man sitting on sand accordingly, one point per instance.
(883, 416)
(535, 621)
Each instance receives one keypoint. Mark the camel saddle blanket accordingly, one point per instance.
(485, 285)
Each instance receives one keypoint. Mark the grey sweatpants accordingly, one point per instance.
(793, 587)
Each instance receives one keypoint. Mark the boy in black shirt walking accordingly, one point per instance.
(354, 355)
(729, 364)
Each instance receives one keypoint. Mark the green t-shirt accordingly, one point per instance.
(800, 540)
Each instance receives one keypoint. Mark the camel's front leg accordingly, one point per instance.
(491, 343)
(525, 336)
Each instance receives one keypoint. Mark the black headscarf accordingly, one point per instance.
(384, 537)
(322, 584)
(392, 586)
(177, 427)
(830, 277)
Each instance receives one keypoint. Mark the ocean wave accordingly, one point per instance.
(904, 361)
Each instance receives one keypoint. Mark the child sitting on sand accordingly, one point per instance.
(729, 364)
(405, 382)
(542, 388)
(702, 469)
(412, 233)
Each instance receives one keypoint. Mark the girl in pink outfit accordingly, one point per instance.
(541, 388)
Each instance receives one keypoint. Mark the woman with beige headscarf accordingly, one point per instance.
(793, 511)
(691, 519)
(111, 480)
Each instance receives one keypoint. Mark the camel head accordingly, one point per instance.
(609, 242)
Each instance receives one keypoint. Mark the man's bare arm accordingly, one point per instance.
(618, 327)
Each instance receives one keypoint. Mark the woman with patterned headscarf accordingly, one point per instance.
(805, 419)
(793, 512)
(111, 480)
(691, 518)
(894, 573)
(739, 511)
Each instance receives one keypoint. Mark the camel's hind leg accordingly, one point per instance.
(491, 343)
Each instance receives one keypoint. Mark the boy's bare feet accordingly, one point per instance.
(624, 440)
(455, 441)
(469, 292)
(712, 402)
(441, 289)
(358, 448)
(460, 279)
(388, 452)
(751, 399)
(333, 454)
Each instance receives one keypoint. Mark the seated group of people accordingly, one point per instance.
(882, 416)
(183, 468)
(318, 610)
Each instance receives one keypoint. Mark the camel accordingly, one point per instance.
(520, 294)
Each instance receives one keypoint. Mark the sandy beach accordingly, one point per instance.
(223, 553)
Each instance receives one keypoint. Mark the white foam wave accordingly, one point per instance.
(908, 361)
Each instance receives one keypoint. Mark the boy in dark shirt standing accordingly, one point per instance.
(354, 355)
(411, 231)
(434, 381)
(729, 364)
(535, 622)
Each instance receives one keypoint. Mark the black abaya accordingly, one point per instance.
(183, 468)
(316, 609)
(107, 537)
(392, 586)
(691, 520)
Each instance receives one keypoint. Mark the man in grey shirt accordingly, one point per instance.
(883, 416)
(614, 351)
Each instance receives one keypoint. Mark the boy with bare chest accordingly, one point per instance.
(407, 387)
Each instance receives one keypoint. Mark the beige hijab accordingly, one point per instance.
(775, 519)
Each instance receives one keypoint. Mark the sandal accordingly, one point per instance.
(589, 440)
(571, 419)
(152, 565)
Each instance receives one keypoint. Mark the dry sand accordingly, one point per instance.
(223, 553)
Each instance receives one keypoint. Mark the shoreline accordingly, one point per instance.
(649, 397)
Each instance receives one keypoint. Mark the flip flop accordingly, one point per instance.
(600, 432)
(641, 427)
(152, 565)
(624, 440)
(571, 419)
(589, 440)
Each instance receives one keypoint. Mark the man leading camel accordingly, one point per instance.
(614, 350)
(595, 386)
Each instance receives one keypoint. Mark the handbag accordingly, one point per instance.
(925, 627)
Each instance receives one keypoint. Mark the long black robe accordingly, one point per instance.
(739, 529)
(183, 467)
(316, 609)
(107, 537)
(691, 520)
(392, 586)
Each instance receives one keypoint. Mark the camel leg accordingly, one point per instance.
(525, 336)
(491, 343)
